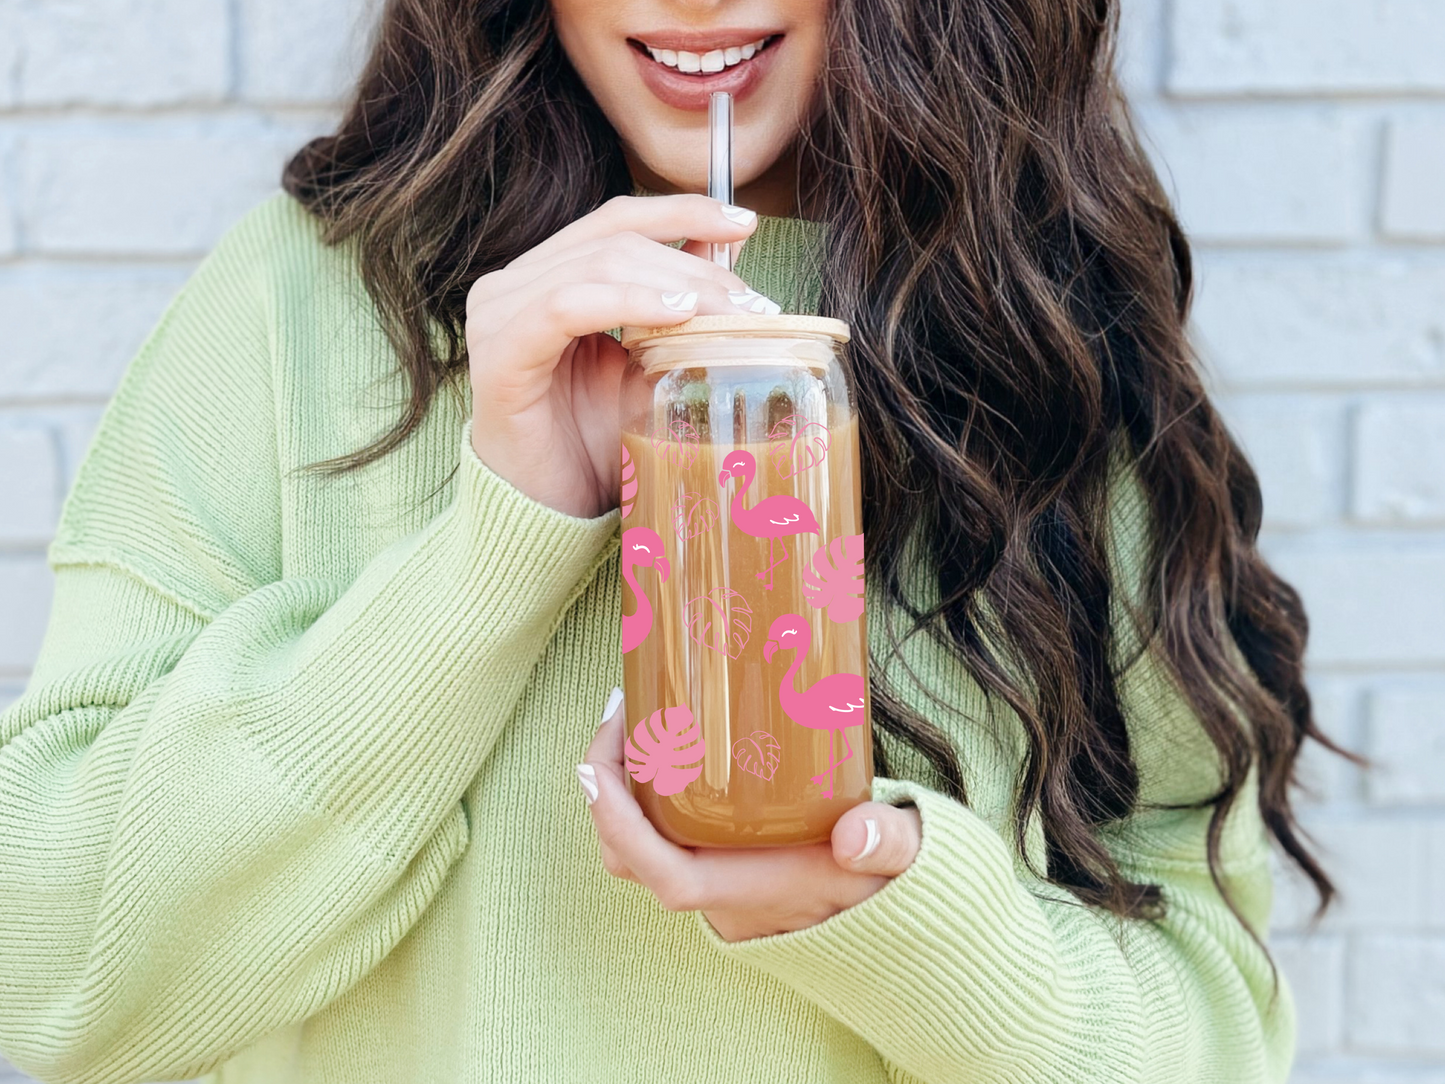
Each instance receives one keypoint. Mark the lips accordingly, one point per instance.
(682, 90)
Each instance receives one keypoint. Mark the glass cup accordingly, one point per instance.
(744, 635)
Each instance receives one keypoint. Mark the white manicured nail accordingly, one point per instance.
(871, 843)
(613, 699)
(741, 215)
(751, 301)
(587, 776)
(680, 302)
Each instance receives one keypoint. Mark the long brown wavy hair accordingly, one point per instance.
(1017, 287)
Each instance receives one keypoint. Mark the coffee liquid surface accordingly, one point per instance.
(710, 622)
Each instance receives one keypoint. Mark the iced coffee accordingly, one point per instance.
(744, 631)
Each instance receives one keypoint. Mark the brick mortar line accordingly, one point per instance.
(12, 405)
(1382, 671)
(1273, 96)
(194, 109)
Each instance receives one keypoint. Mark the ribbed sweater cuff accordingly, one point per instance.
(522, 543)
(401, 686)
(951, 970)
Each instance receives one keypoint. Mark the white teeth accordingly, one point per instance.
(708, 63)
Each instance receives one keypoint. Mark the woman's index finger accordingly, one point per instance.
(666, 219)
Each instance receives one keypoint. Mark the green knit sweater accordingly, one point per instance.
(290, 797)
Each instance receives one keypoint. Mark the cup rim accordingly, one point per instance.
(781, 325)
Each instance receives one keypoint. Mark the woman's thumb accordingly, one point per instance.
(877, 838)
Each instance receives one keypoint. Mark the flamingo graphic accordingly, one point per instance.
(773, 518)
(835, 702)
(640, 546)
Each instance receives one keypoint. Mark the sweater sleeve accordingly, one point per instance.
(225, 798)
(966, 968)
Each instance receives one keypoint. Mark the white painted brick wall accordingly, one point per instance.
(121, 52)
(1397, 997)
(1371, 604)
(1316, 963)
(1305, 142)
(29, 482)
(1372, 316)
(166, 186)
(1411, 207)
(1399, 453)
(298, 52)
(9, 235)
(1406, 735)
(25, 589)
(1320, 234)
(1305, 48)
(1297, 444)
(1264, 173)
(1328, 780)
(105, 309)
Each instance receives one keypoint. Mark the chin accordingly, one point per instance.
(680, 171)
(682, 162)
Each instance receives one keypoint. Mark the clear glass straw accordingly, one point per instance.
(720, 164)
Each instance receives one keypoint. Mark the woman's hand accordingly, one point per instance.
(544, 373)
(743, 893)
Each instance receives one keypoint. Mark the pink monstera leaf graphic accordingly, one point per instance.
(795, 444)
(758, 754)
(678, 444)
(629, 483)
(834, 578)
(666, 750)
(721, 620)
(694, 515)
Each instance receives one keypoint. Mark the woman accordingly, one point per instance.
(292, 797)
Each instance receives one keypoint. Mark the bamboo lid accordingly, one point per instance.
(740, 325)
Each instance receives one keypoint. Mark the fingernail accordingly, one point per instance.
(613, 699)
(871, 843)
(587, 776)
(752, 301)
(741, 215)
(680, 302)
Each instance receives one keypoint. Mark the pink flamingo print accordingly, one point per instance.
(640, 546)
(629, 483)
(835, 702)
(773, 518)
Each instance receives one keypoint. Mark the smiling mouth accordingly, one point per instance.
(707, 63)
